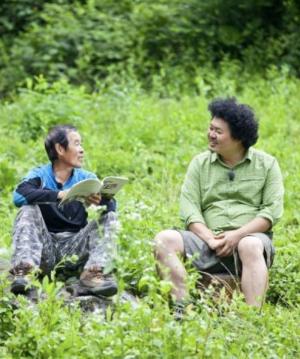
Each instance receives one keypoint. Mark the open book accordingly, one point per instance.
(107, 188)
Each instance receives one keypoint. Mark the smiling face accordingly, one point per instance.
(220, 139)
(72, 156)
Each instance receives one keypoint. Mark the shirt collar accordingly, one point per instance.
(213, 157)
(53, 173)
(248, 156)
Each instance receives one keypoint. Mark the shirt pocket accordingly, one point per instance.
(217, 191)
(251, 188)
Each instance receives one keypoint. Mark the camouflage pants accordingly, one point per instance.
(34, 244)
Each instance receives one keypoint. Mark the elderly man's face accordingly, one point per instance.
(219, 137)
(73, 155)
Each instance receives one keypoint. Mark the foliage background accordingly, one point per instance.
(98, 42)
(136, 78)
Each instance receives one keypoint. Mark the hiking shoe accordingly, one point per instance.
(21, 283)
(179, 310)
(98, 284)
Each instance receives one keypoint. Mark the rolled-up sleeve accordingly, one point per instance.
(190, 197)
(272, 198)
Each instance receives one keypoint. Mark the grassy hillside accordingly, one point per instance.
(151, 140)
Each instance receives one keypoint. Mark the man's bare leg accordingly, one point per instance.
(255, 272)
(168, 245)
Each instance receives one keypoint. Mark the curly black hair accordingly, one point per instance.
(240, 118)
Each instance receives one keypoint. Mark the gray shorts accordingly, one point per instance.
(206, 260)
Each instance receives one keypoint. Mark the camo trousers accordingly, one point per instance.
(35, 245)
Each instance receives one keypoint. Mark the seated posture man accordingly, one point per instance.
(231, 198)
(44, 233)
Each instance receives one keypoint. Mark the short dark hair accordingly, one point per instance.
(240, 118)
(57, 134)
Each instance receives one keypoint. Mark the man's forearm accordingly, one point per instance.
(30, 193)
(258, 224)
(202, 231)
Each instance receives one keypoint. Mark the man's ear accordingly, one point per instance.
(59, 149)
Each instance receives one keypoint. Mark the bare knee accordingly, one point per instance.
(250, 249)
(167, 241)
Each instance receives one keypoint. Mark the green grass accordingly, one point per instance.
(151, 140)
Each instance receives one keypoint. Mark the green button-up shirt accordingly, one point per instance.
(213, 196)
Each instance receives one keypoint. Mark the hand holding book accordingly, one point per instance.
(82, 190)
(93, 199)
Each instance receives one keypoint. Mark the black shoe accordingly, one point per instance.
(21, 283)
(94, 282)
(179, 309)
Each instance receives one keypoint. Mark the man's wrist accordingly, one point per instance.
(240, 233)
(60, 195)
(206, 237)
(209, 241)
(202, 231)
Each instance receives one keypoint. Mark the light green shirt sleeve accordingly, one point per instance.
(190, 197)
(272, 197)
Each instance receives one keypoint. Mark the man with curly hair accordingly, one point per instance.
(231, 198)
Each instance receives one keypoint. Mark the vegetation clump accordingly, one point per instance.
(150, 139)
